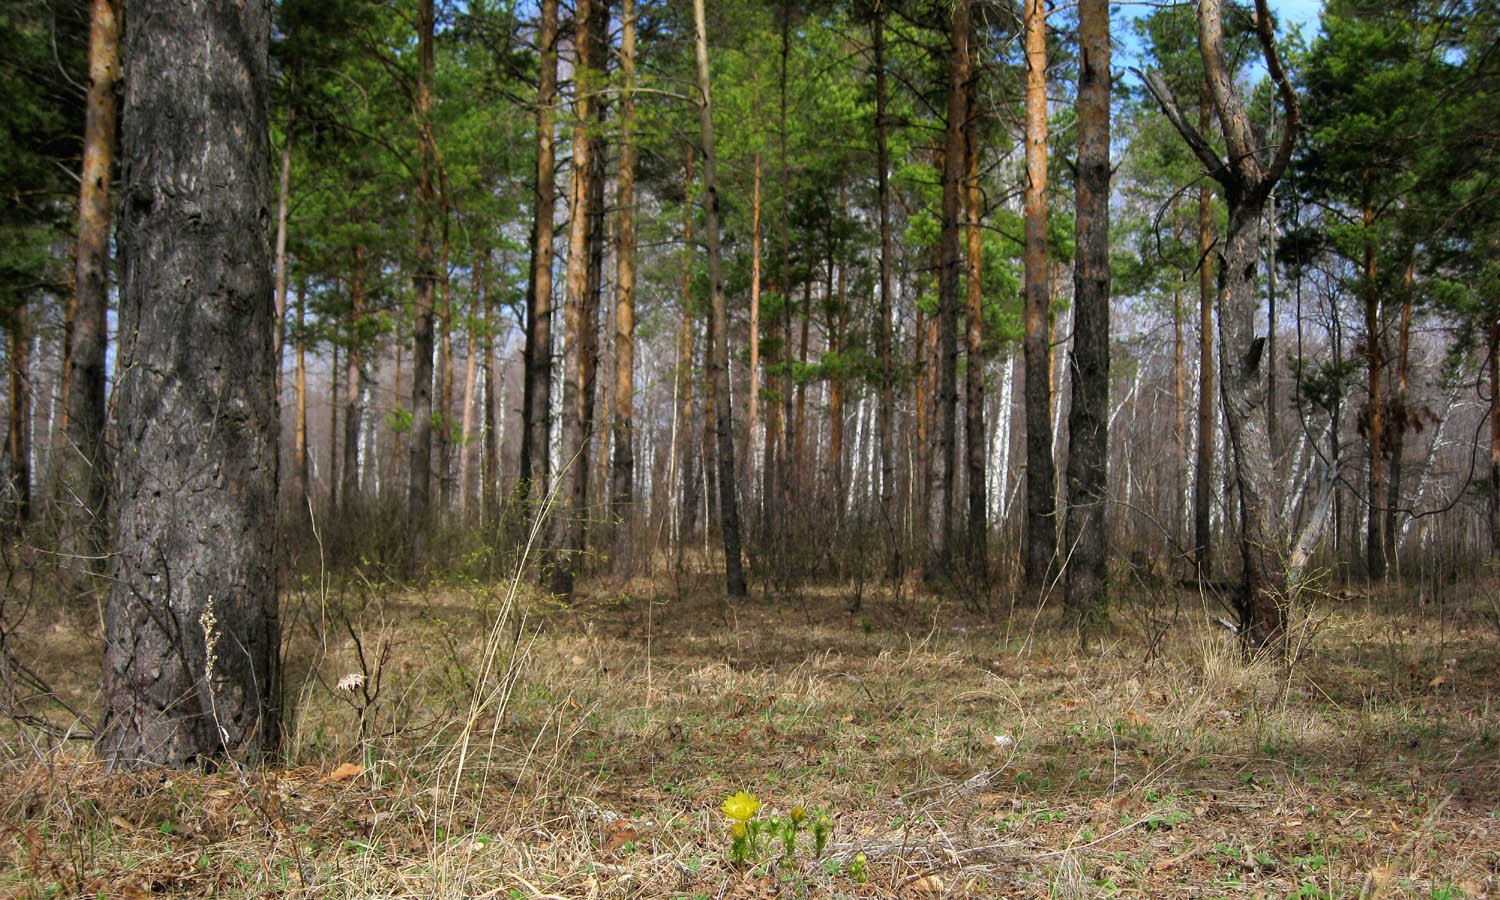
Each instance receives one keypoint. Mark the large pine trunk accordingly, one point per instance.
(191, 637)
(1088, 415)
(1041, 530)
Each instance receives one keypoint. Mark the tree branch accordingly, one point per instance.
(1284, 87)
(1218, 169)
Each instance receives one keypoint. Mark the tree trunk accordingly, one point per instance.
(536, 404)
(1041, 530)
(940, 497)
(191, 636)
(443, 420)
(354, 384)
(622, 490)
(688, 506)
(752, 441)
(1374, 413)
(86, 466)
(974, 430)
(569, 523)
(734, 578)
(466, 429)
(301, 462)
(489, 476)
(334, 483)
(1494, 365)
(884, 343)
(1085, 597)
(1247, 184)
(1203, 466)
(1401, 424)
(424, 283)
(18, 434)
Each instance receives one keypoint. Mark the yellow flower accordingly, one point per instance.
(798, 814)
(738, 830)
(741, 805)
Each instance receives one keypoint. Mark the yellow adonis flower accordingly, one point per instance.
(741, 806)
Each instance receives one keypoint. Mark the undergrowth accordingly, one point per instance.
(465, 740)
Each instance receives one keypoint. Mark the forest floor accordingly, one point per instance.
(503, 747)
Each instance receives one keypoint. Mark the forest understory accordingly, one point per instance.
(470, 739)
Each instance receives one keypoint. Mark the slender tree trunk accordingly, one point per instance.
(974, 430)
(1179, 413)
(1374, 413)
(536, 404)
(424, 283)
(1085, 592)
(753, 439)
(1401, 424)
(283, 216)
(799, 436)
(354, 383)
(940, 497)
(688, 510)
(466, 429)
(86, 466)
(1273, 425)
(884, 344)
(1203, 466)
(443, 420)
(489, 477)
(718, 369)
(1041, 529)
(334, 482)
(191, 636)
(1493, 356)
(622, 490)
(18, 435)
(301, 461)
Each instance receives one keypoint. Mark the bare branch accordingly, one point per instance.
(1218, 169)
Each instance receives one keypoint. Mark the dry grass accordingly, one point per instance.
(503, 747)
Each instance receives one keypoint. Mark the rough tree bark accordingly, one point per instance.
(1041, 529)
(568, 525)
(887, 414)
(622, 490)
(86, 467)
(1203, 465)
(944, 474)
(536, 402)
(975, 437)
(1085, 599)
(424, 283)
(191, 637)
(729, 523)
(1247, 183)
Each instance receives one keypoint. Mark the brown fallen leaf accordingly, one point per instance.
(619, 833)
(343, 773)
(928, 884)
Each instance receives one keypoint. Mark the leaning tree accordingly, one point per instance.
(190, 662)
(1246, 176)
